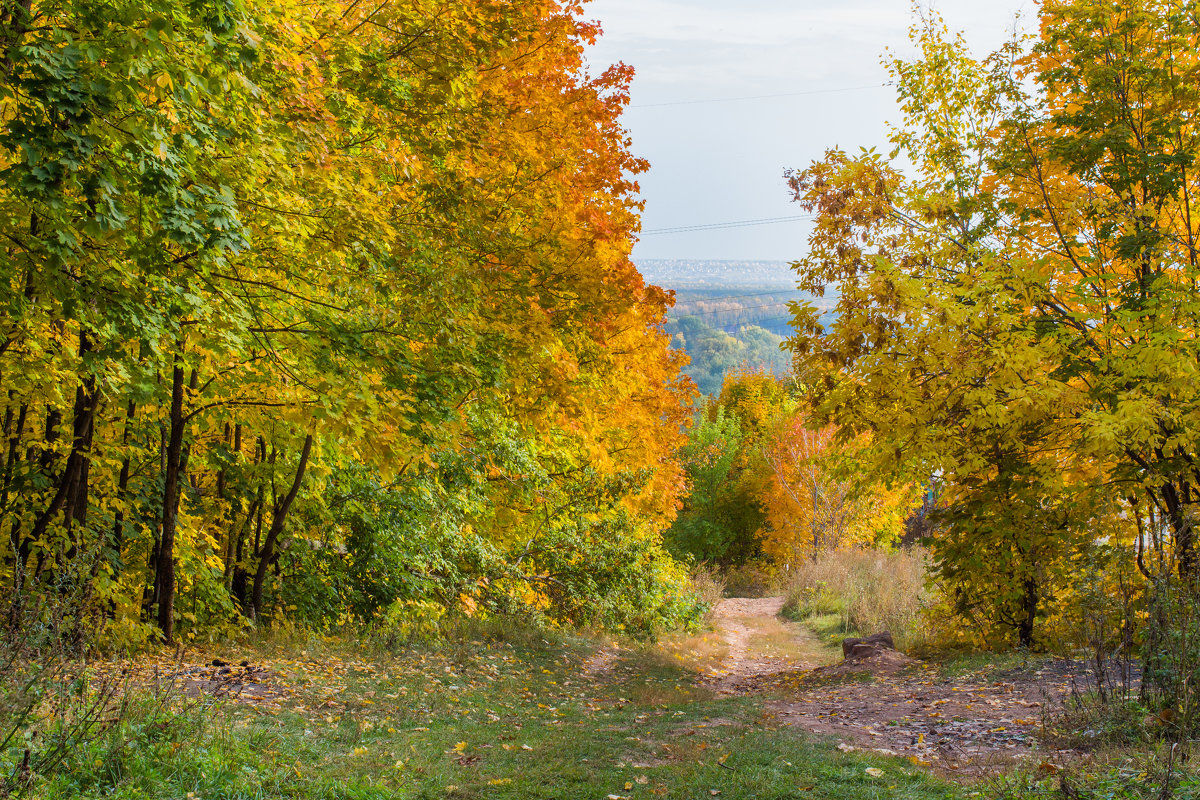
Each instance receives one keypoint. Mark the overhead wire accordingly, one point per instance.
(763, 96)
(730, 296)
(731, 310)
(715, 226)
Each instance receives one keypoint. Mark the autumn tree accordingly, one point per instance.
(933, 354)
(252, 248)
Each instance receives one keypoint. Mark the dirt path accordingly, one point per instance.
(758, 644)
(890, 704)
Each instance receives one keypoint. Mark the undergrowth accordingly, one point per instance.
(860, 592)
(490, 711)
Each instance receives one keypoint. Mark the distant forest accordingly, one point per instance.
(728, 315)
(723, 332)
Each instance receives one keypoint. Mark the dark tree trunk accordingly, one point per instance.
(117, 542)
(1174, 502)
(164, 584)
(70, 496)
(279, 513)
(1029, 607)
(10, 463)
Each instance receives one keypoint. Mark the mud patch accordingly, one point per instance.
(245, 683)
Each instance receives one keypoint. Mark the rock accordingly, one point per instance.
(853, 649)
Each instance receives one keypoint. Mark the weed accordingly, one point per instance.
(866, 591)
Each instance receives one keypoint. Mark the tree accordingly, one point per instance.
(817, 500)
(251, 246)
(937, 353)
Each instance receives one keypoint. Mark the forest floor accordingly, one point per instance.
(972, 723)
(756, 707)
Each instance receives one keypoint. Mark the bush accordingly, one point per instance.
(868, 590)
(1171, 657)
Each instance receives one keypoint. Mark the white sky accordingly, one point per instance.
(724, 161)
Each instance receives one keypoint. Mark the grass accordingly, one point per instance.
(860, 592)
(509, 712)
(477, 718)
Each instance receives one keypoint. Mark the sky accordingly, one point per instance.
(720, 162)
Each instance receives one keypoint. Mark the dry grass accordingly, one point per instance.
(709, 587)
(861, 592)
(699, 653)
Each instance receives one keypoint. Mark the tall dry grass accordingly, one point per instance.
(862, 592)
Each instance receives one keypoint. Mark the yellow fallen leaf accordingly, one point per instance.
(874, 772)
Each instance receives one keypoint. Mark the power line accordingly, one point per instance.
(763, 96)
(745, 223)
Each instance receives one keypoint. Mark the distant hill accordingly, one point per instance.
(729, 314)
(691, 274)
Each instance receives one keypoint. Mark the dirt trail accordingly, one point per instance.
(890, 704)
(759, 645)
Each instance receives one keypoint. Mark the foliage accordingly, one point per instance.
(713, 354)
(815, 502)
(766, 491)
(258, 252)
(1016, 314)
(720, 515)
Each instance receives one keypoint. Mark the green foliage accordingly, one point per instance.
(1170, 654)
(722, 515)
(715, 354)
(574, 557)
(299, 329)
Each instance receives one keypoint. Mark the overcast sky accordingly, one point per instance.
(717, 162)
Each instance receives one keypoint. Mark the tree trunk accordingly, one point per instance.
(117, 541)
(1174, 503)
(70, 496)
(1029, 606)
(164, 589)
(279, 513)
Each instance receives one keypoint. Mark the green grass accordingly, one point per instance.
(985, 665)
(473, 720)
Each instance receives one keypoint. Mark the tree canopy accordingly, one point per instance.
(1017, 309)
(256, 252)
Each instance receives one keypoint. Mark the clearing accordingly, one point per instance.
(502, 712)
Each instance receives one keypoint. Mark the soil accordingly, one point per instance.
(738, 620)
(891, 703)
(242, 682)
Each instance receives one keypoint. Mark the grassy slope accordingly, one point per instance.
(480, 719)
